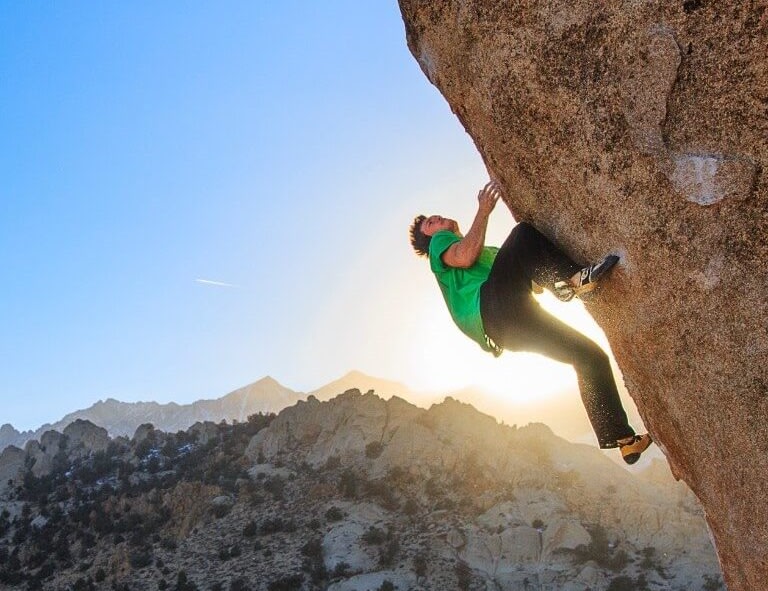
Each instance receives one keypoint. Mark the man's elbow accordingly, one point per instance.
(465, 261)
(464, 264)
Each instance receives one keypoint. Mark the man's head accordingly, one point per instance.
(423, 228)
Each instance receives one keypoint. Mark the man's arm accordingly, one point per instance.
(464, 253)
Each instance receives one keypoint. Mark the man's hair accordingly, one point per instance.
(419, 240)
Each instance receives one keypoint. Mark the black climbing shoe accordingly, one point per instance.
(631, 448)
(588, 278)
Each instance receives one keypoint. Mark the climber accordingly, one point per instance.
(488, 293)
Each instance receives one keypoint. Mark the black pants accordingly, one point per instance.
(514, 320)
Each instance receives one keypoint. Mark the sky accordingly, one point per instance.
(196, 195)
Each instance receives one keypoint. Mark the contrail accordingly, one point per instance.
(218, 283)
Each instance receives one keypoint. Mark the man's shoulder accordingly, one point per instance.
(439, 243)
(441, 240)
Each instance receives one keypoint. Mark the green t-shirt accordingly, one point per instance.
(461, 287)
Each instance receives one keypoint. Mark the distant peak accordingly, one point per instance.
(355, 375)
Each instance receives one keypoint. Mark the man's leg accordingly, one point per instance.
(531, 329)
(527, 255)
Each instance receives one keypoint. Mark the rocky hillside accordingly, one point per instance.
(353, 493)
(263, 396)
(642, 128)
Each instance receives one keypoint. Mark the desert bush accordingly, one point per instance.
(420, 565)
(275, 485)
(183, 583)
(374, 536)
(140, 559)
(341, 570)
(411, 507)
(287, 583)
(251, 529)
(348, 483)
(238, 584)
(83, 585)
(373, 450)
(463, 576)
(601, 551)
(712, 583)
(277, 524)
(389, 551)
(622, 583)
(313, 549)
(221, 510)
(334, 514)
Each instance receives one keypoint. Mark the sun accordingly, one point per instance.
(444, 360)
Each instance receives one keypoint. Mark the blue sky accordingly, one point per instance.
(279, 148)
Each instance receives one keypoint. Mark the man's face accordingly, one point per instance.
(435, 223)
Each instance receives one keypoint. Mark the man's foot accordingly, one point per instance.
(632, 447)
(588, 277)
(585, 280)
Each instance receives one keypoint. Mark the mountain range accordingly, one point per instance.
(352, 493)
(564, 414)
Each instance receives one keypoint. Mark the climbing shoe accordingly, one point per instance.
(588, 278)
(632, 447)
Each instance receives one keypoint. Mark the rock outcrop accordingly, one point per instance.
(642, 128)
(557, 486)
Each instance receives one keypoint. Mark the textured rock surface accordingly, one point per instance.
(641, 127)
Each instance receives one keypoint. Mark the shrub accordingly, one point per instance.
(463, 575)
(221, 510)
(348, 483)
(183, 583)
(374, 536)
(287, 583)
(373, 450)
(251, 529)
(622, 583)
(140, 559)
(334, 514)
(340, 570)
(601, 551)
(313, 549)
(420, 565)
(386, 586)
(389, 551)
(276, 486)
(276, 524)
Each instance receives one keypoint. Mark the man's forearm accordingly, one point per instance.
(470, 247)
(464, 253)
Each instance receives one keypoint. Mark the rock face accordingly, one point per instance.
(641, 127)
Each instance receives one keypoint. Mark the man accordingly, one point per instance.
(488, 293)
